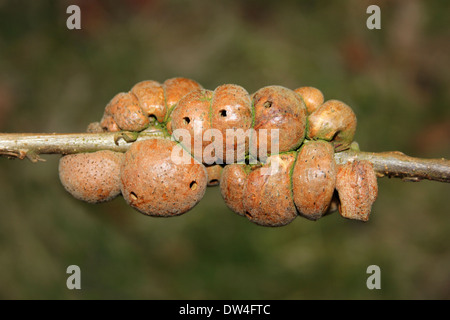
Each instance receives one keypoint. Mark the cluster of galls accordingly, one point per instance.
(306, 182)
(301, 178)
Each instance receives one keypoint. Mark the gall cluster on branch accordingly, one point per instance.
(226, 137)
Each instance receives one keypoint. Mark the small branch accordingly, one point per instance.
(30, 145)
(398, 165)
(23, 145)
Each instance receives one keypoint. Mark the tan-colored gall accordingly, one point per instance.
(150, 95)
(314, 179)
(214, 172)
(126, 112)
(232, 184)
(357, 186)
(268, 197)
(94, 127)
(231, 116)
(108, 124)
(159, 178)
(175, 89)
(281, 109)
(190, 120)
(91, 177)
(312, 97)
(333, 121)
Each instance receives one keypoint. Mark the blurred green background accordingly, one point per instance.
(57, 80)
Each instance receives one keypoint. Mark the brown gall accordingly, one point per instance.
(357, 186)
(314, 179)
(268, 199)
(91, 177)
(153, 183)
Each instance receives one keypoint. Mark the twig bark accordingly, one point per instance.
(399, 165)
(30, 145)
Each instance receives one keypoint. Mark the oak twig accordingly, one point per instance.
(398, 165)
(31, 145)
